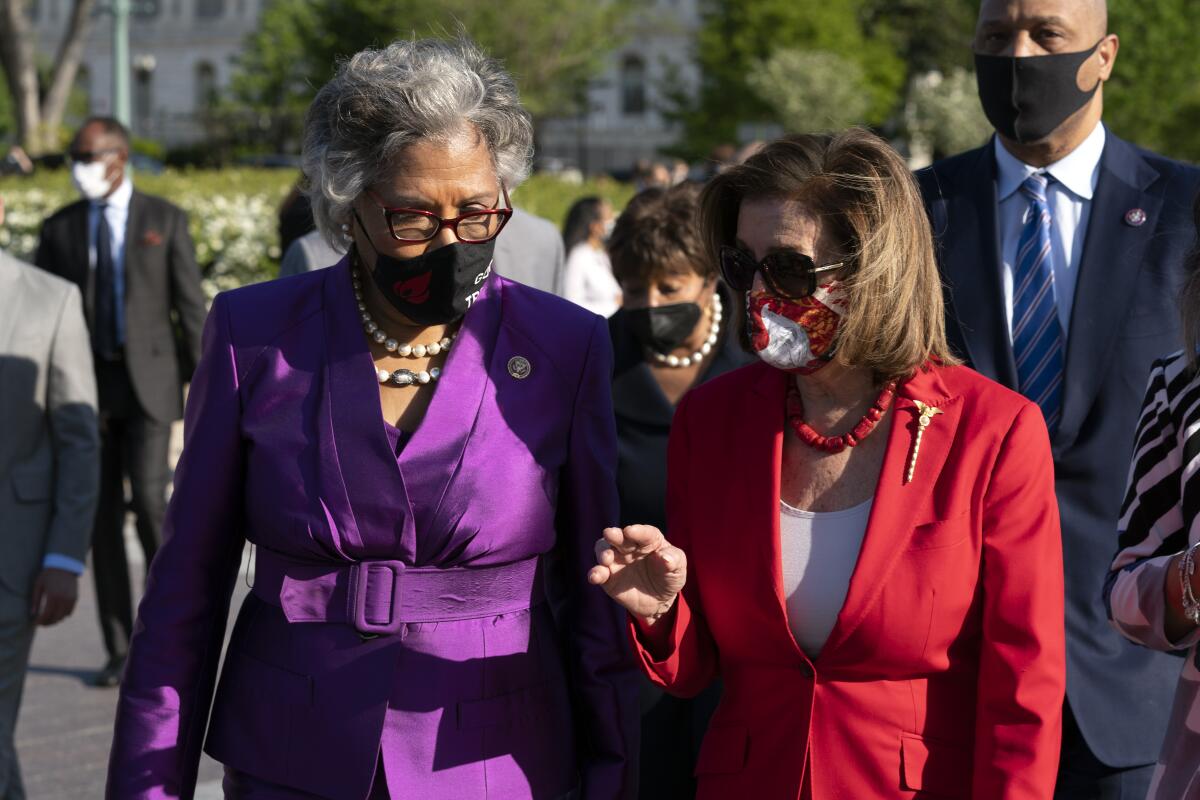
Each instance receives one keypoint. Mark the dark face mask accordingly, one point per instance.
(436, 287)
(664, 328)
(1026, 99)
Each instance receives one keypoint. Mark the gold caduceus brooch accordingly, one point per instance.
(927, 413)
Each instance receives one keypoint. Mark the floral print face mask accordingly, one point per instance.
(796, 335)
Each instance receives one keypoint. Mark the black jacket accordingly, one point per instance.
(164, 302)
(644, 415)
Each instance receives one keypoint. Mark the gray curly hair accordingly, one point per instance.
(381, 101)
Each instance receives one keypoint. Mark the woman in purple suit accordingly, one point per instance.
(422, 453)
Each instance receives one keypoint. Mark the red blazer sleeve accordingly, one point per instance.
(682, 658)
(1022, 669)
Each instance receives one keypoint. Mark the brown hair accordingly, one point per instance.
(1190, 298)
(660, 231)
(870, 205)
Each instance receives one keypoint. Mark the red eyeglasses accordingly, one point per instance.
(415, 225)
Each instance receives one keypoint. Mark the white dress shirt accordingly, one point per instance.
(1070, 198)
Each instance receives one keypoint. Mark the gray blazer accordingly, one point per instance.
(530, 251)
(49, 440)
(307, 253)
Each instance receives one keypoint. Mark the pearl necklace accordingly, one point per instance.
(378, 335)
(714, 332)
(399, 377)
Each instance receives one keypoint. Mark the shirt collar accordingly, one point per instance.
(120, 198)
(1078, 171)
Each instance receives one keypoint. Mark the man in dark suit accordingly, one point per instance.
(1062, 250)
(132, 257)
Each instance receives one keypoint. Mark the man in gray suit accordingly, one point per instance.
(530, 251)
(49, 472)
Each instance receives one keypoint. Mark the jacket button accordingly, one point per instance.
(806, 670)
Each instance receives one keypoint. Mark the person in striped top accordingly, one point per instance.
(1159, 538)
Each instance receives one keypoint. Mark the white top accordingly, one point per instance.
(1070, 199)
(819, 551)
(588, 280)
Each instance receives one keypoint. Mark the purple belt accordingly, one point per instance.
(380, 597)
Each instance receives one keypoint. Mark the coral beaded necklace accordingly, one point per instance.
(836, 444)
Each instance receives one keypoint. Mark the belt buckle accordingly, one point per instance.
(361, 577)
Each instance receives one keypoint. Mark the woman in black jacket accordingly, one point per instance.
(676, 328)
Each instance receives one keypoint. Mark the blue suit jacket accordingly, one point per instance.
(1125, 315)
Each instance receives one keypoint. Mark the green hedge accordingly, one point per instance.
(233, 213)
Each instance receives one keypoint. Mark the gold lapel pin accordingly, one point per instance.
(927, 413)
(519, 367)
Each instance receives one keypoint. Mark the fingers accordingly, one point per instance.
(634, 538)
(55, 609)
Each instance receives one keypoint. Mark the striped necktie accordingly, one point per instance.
(1037, 334)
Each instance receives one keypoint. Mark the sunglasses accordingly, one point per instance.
(786, 273)
(88, 156)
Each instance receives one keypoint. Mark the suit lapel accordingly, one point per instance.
(353, 441)
(1111, 261)
(967, 230)
(430, 460)
(135, 228)
(78, 267)
(899, 506)
(758, 461)
(10, 308)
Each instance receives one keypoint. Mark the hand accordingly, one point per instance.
(54, 594)
(639, 569)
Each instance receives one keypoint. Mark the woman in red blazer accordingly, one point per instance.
(885, 606)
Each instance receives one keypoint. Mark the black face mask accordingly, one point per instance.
(664, 328)
(436, 287)
(1027, 98)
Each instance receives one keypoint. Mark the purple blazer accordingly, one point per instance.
(286, 447)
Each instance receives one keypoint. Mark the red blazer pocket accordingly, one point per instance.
(723, 750)
(935, 768)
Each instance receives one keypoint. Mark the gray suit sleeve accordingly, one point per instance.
(71, 407)
(560, 259)
(187, 295)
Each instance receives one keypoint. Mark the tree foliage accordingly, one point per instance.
(552, 47)
(38, 105)
(812, 90)
(1153, 98)
(737, 36)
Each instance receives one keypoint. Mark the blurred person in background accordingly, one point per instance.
(421, 451)
(530, 251)
(676, 328)
(679, 171)
(864, 540)
(311, 251)
(295, 218)
(49, 472)
(588, 277)
(132, 258)
(1152, 587)
(1062, 250)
